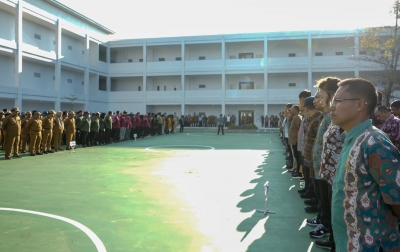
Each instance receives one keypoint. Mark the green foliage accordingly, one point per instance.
(251, 126)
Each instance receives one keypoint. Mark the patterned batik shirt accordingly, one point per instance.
(300, 138)
(330, 153)
(309, 138)
(367, 182)
(318, 144)
(391, 127)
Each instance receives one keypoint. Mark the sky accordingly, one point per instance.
(172, 18)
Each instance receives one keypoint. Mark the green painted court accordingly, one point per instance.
(193, 191)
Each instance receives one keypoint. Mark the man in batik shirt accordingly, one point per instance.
(391, 124)
(365, 194)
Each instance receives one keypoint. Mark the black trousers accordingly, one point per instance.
(159, 131)
(93, 136)
(102, 139)
(307, 179)
(84, 138)
(78, 136)
(296, 156)
(107, 136)
(181, 128)
(325, 195)
(116, 135)
(221, 127)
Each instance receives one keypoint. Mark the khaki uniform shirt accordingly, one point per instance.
(34, 125)
(48, 123)
(24, 124)
(12, 126)
(69, 125)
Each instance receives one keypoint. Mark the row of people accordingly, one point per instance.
(350, 168)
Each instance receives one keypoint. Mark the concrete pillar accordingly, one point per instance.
(18, 56)
(86, 75)
(57, 74)
(223, 91)
(183, 78)
(144, 106)
(265, 60)
(309, 47)
(356, 54)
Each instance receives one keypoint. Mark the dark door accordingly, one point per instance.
(246, 117)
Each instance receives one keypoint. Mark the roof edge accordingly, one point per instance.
(80, 16)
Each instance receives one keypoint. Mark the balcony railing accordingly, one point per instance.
(126, 68)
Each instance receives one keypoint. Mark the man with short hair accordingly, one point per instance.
(35, 130)
(365, 196)
(12, 132)
(25, 131)
(390, 124)
(69, 125)
(85, 129)
(220, 124)
(395, 108)
(48, 123)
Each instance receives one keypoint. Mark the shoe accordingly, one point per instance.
(55, 150)
(60, 150)
(8, 158)
(297, 175)
(313, 222)
(302, 190)
(320, 231)
(33, 154)
(50, 151)
(45, 152)
(311, 202)
(326, 244)
(39, 153)
(312, 209)
(307, 195)
(17, 157)
(301, 179)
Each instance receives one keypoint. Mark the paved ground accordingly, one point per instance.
(194, 191)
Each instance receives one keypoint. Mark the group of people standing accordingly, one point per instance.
(269, 122)
(349, 166)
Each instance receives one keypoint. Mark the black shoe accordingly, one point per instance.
(50, 151)
(312, 209)
(307, 195)
(311, 201)
(297, 175)
(8, 158)
(39, 153)
(55, 150)
(33, 154)
(302, 190)
(60, 150)
(17, 157)
(45, 152)
(326, 244)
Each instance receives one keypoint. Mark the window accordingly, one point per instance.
(318, 54)
(112, 61)
(232, 57)
(139, 88)
(178, 58)
(54, 42)
(140, 60)
(129, 60)
(37, 75)
(292, 55)
(363, 52)
(70, 47)
(202, 57)
(69, 80)
(102, 86)
(292, 84)
(165, 88)
(339, 53)
(246, 55)
(158, 88)
(174, 88)
(246, 85)
(37, 36)
(202, 86)
(161, 59)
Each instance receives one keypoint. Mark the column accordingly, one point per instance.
(144, 106)
(265, 61)
(57, 79)
(86, 75)
(223, 91)
(309, 46)
(18, 56)
(356, 54)
(183, 78)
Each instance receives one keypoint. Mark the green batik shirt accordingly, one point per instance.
(367, 182)
(319, 143)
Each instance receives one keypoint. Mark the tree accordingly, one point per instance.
(380, 46)
(71, 98)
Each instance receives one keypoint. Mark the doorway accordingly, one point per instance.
(246, 117)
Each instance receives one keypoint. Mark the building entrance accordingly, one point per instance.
(246, 117)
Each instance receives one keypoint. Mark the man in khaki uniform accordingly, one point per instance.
(69, 126)
(85, 130)
(58, 131)
(48, 124)
(12, 133)
(1, 127)
(35, 130)
(25, 131)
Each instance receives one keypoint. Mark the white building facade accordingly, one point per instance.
(52, 57)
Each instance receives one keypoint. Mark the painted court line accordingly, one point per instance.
(166, 146)
(95, 239)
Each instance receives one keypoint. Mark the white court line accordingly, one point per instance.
(162, 146)
(95, 239)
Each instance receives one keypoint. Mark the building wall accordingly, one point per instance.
(282, 48)
(330, 46)
(209, 51)
(71, 82)
(124, 55)
(45, 37)
(169, 53)
(73, 49)
(211, 82)
(208, 109)
(30, 105)
(7, 71)
(126, 84)
(255, 47)
(166, 81)
(43, 82)
(233, 81)
(7, 26)
(282, 80)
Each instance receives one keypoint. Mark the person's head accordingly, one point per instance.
(28, 114)
(110, 113)
(14, 111)
(294, 110)
(317, 101)
(395, 108)
(353, 102)
(36, 115)
(327, 88)
(71, 114)
(381, 113)
(1, 113)
(86, 113)
(51, 114)
(309, 107)
(303, 95)
(79, 113)
(117, 112)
